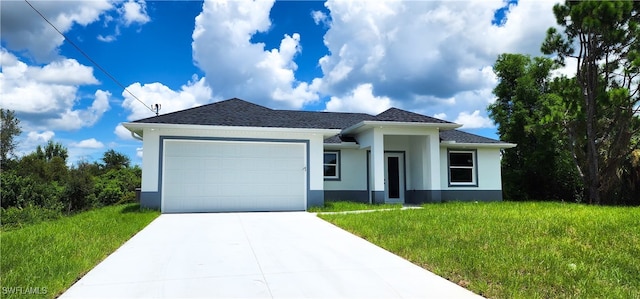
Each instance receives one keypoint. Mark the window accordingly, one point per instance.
(462, 168)
(332, 165)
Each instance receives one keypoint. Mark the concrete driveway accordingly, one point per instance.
(256, 255)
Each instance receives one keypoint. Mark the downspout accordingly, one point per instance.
(136, 136)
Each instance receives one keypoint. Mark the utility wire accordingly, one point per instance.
(92, 61)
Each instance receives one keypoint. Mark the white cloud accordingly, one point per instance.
(28, 141)
(23, 29)
(63, 72)
(427, 56)
(91, 143)
(123, 133)
(35, 137)
(473, 120)
(46, 97)
(107, 39)
(319, 17)
(194, 93)
(235, 67)
(440, 115)
(139, 152)
(75, 119)
(134, 12)
(361, 99)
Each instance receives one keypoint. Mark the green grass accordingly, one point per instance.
(515, 250)
(342, 206)
(49, 257)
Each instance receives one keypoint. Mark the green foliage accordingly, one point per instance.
(55, 254)
(115, 160)
(22, 191)
(43, 179)
(9, 129)
(80, 191)
(52, 150)
(523, 110)
(514, 250)
(604, 37)
(17, 217)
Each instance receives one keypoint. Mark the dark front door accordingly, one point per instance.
(394, 177)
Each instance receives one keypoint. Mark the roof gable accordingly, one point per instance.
(395, 114)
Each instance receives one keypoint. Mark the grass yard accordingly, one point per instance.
(45, 259)
(515, 250)
(342, 206)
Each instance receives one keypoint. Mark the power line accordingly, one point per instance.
(92, 61)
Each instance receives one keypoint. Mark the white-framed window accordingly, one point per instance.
(331, 165)
(462, 168)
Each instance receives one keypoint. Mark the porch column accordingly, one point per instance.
(433, 155)
(377, 168)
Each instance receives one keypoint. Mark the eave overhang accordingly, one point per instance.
(368, 124)
(138, 128)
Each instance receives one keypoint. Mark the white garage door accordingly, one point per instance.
(223, 176)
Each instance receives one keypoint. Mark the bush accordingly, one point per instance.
(108, 192)
(80, 191)
(30, 214)
(18, 191)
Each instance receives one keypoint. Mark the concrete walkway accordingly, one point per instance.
(256, 255)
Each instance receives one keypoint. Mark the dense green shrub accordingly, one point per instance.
(108, 191)
(80, 193)
(20, 191)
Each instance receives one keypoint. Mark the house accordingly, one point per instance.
(237, 156)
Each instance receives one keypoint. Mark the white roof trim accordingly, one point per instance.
(363, 125)
(351, 145)
(138, 128)
(453, 144)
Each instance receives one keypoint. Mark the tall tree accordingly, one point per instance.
(538, 168)
(603, 36)
(52, 150)
(115, 160)
(10, 128)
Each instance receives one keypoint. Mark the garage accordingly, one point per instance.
(232, 176)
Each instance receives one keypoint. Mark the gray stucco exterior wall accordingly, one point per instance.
(377, 197)
(150, 200)
(347, 195)
(472, 195)
(423, 196)
(315, 198)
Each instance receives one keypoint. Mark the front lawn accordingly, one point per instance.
(343, 206)
(45, 259)
(515, 250)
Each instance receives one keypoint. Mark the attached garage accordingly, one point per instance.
(231, 176)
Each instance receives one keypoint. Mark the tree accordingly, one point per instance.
(115, 160)
(52, 150)
(10, 128)
(538, 168)
(605, 35)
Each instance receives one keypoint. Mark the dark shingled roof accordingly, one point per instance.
(395, 114)
(237, 112)
(340, 139)
(464, 137)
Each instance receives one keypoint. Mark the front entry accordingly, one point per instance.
(394, 178)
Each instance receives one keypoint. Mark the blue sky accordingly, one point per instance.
(429, 57)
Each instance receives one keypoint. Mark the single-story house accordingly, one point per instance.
(238, 156)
